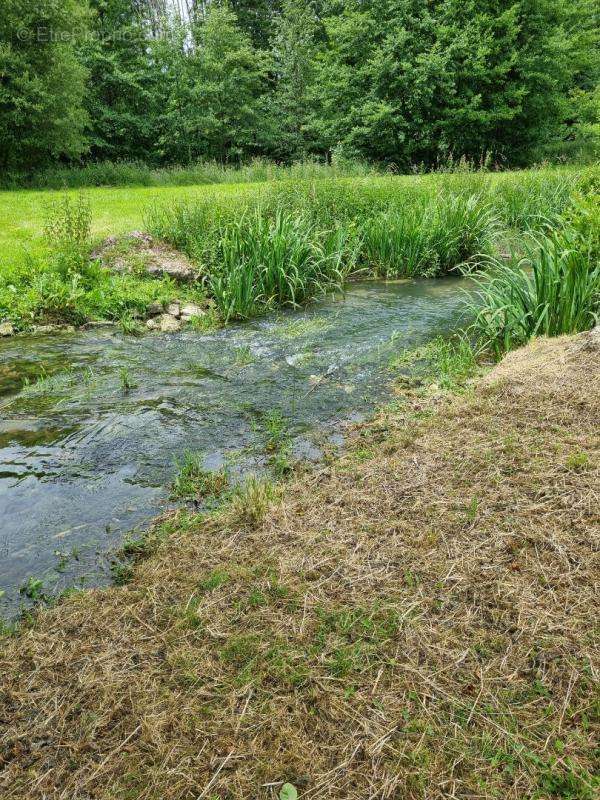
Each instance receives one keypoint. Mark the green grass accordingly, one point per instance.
(137, 173)
(114, 211)
(194, 482)
(266, 244)
(449, 363)
(553, 289)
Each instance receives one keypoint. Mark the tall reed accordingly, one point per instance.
(265, 262)
(553, 289)
(429, 239)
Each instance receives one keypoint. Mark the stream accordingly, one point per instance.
(84, 462)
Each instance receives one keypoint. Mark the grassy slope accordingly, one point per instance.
(415, 620)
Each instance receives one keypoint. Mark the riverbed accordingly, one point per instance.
(92, 423)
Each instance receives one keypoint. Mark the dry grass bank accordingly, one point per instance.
(417, 621)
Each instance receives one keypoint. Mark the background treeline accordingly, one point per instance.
(403, 83)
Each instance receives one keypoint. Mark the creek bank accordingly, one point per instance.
(94, 421)
(428, 595)
(138, 254)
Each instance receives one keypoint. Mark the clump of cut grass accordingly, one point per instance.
(194, 482)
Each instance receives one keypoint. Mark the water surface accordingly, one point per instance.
(83, 462)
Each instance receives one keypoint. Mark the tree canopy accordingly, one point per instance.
(400, 82)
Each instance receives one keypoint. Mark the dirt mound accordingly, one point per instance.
(417, 619)
(140, 252)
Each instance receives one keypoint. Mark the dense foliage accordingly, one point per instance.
(400, 82)
(550, 290)
(282, 243)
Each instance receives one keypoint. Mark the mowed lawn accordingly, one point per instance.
(114, 210)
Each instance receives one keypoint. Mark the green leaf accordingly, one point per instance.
(288, 792)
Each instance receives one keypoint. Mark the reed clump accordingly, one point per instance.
(552, 289)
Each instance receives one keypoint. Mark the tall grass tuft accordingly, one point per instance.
(265, 262)
(553, 289)
(429, 239)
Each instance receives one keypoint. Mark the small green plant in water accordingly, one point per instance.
(278, 443)
(33, 589)
(244, 356)
(194, 482)
(130, 326)
(125, 380)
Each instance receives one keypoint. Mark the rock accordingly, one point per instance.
(174, 310)
(190, 310)
(153, 324)
(99, 323)
(155, 309)
(45, 329)
(169, 324)
(141, 237)
(6, 329)
(171, 264)
(139, 250)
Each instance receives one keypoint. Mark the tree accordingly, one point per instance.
(124, 83)
(406, 82)
(257, 18)
(294, 49)
(216, 81)
(42, 83)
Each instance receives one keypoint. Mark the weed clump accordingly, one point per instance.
(194, 482)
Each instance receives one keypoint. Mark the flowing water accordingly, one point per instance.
(84, 461)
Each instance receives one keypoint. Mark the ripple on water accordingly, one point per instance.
(82, 462)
